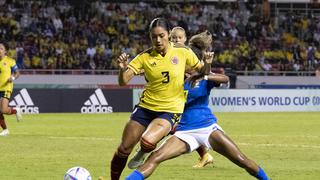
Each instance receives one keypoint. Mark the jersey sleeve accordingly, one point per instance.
(192, 60)
(136, 64)
(13, 66)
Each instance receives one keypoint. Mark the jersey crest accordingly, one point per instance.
(175, 60)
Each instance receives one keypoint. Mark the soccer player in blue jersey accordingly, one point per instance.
(178, 35)
(162, 100)
(198, 126)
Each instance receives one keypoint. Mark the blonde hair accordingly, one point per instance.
(201, 41)
(177, 28)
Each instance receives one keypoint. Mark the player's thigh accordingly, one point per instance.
(131, 135)
(156, 130)
(171, 148)
(222, 144)
(1, 100)
(4, 102)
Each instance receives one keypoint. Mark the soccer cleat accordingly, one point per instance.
(18, 114)
(5, 132)
(205, 160)
(137, 160)
(102, 178)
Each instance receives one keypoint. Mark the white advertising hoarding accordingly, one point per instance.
(256, 100)
(265, 100)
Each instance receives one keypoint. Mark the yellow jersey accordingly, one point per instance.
(7, 66)
(164, 90)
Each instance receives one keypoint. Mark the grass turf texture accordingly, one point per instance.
(45, 146)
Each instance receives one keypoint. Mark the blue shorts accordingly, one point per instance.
(145, 116)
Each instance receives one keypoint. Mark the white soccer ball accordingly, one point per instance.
(77, 173)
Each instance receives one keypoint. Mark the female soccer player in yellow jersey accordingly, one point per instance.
(163, 98)
(8, 73)
(178, 35)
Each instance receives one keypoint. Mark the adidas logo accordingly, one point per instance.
(153, 64)
(23, 101)
(96, 103)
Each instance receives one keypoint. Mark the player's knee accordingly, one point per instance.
(147, 146)
(124, 151)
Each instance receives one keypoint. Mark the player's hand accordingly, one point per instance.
(123, 61)
(208, 57)
(11, 79)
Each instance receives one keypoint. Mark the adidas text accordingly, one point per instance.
(29, 110)
(96, 109)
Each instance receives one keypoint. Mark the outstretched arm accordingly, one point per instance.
(125, 74)
(218, 78)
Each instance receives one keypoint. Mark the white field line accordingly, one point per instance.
(81, 138)
(71, 137)
(293, 136)
(281, 145)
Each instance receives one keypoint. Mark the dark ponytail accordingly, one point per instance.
(159, 22)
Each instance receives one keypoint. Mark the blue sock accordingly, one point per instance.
(135, 175)
(261, 175)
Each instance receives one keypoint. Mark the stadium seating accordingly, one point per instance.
(65, 35)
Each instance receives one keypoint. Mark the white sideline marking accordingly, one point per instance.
(265, 135)
(81, 138)
(280, 145)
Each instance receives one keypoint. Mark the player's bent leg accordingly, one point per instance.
(156, 130)
(205, 157)
(171, 148)
(222, 144)
(130, 137)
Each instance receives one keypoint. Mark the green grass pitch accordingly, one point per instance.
(44, 146)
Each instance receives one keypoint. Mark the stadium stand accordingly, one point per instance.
(253, 37)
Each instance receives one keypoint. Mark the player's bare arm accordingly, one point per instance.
(218, 78)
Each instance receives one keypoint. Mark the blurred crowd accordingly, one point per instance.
(67, 34)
